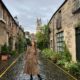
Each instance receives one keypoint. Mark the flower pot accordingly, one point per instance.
(4, 57)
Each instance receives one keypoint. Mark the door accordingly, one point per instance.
(78, 43)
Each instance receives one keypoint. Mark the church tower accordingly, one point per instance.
(39, 25)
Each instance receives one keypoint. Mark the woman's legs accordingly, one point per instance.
(31, 77)
(39, 76)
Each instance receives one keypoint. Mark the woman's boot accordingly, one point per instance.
(39, 77)
(31, 77)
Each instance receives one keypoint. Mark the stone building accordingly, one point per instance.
(9, 28)
(27, 35)
(65, 27)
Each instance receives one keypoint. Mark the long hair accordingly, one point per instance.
(35, 48)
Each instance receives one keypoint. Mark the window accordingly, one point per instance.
(58, 21)
(1, 14)
(60, 40)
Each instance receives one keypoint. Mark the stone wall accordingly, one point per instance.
(69, 20)
(8, 27)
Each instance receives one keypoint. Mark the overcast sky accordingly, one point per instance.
(28, 11)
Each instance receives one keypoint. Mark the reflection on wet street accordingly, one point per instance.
(16, 72)
(48, 71)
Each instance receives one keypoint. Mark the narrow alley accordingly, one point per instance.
(48, 71)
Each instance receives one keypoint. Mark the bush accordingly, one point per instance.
(61, 63)
(4, 49)
(13, 53)
(55, 57)
(48, 53)
(20, 45)
(28, 41)
(42, 38)
(66, 54)
(74, 69)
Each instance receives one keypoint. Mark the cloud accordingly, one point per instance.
(28, 11)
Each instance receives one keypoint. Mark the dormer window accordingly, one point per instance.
(76, 7)
(58, 21)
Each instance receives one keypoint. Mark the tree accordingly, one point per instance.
(28, 42)
(21, 44)
(43, 38)
(46, 33)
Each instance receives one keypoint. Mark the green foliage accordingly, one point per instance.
(65, 57)
(40, 40)
(13, 53)
(74, 68)
(48, 53)
(43, 38)
(28, 41)
(46, 33)
(40, 36)
(61, 62)
(21, 45)
(65, 54)
(5, 49)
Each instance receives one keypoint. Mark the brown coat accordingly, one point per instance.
(31, 64)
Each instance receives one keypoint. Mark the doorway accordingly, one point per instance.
(78, 43)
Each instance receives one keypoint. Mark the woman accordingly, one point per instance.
(31, 66)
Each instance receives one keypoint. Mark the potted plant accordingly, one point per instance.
(4, 52)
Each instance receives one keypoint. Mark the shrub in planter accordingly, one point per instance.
(13, 53)
(4, 52)
(4, 49)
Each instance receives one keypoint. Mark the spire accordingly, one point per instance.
(39, 22)
(39, 25)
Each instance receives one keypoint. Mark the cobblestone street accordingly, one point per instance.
(48, 71)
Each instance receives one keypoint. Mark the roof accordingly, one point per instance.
(11, 15)
(57, 10)
(8, 11)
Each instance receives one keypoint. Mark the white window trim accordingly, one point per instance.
(1, 18)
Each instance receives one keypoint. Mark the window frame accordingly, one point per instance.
(1, 11)
(59, 41)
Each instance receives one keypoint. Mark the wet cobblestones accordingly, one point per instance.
(48, 71)
(4, 64)
(54, 73)
(14, 71)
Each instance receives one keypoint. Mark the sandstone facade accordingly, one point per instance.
(63, 26)
(9, 28)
